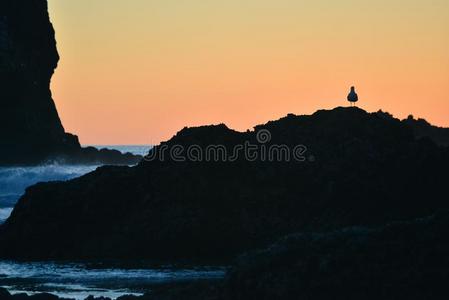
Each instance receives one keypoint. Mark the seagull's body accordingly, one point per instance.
(353, 97)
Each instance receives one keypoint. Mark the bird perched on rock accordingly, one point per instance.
(353, 97)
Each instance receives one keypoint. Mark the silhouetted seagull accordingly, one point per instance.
(352, 97)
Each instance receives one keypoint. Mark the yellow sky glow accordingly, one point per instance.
(135, 72)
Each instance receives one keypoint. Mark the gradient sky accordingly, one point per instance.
(136, 72)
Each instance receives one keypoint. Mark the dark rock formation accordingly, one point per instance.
(407, 260)
(30, 129)
(360, 169)
(422, 128)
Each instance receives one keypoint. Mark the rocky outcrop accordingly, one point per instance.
(359, 169)
(405, 260)
(422, 128)
(30, 129)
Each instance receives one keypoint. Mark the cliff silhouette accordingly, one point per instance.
(367, 169)
(30, 129)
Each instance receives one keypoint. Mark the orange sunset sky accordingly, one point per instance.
(137, 71)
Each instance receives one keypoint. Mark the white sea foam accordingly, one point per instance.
(5, 213)
(14, 180)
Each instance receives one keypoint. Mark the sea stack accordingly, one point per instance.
(30, 129)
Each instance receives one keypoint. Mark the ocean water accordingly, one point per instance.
(78, 281)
